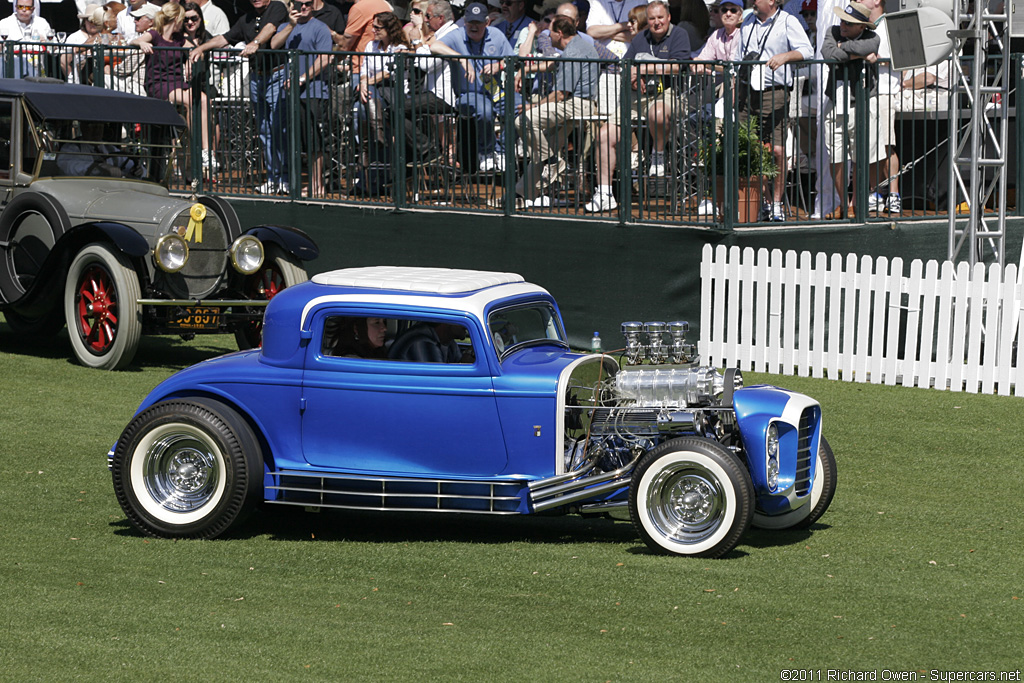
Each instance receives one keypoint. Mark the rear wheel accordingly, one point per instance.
(101, 308)
(187, 469)
(30, 226)
(690, 496)
(279, 270)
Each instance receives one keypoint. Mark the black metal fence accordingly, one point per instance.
(673, 148)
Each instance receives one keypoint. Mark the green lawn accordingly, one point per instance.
(915, 567)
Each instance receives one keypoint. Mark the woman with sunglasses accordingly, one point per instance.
(195, 26)
(417, 30)
(168, 70)
(376, 69)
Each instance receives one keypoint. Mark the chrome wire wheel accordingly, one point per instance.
(177, 470)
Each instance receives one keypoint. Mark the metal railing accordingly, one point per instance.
(414, 139)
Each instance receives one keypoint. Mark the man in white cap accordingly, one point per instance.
(854, 44)
(136, 18)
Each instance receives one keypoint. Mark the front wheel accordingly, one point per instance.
(101, 308)
(279, 270)
(187, 469)
(690, 496)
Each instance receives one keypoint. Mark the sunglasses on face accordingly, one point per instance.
(189, 20)
(730, 10)
(417, 11)
(299, 3)
(377, 28)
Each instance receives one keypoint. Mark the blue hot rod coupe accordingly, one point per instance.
(436, 390)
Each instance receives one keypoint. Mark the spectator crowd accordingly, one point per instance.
(637, 89)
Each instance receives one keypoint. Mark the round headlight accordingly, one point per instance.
(170, 253)
(247, 254)
(772, 441)
(771, 464)
(772, 470)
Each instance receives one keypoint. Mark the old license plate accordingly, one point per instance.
(196, 318)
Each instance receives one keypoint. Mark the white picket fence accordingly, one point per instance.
(861, 319)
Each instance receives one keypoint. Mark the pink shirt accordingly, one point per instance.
(721, 47)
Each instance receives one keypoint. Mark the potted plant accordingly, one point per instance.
(754, 163)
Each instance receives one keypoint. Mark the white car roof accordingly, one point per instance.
(412, 279)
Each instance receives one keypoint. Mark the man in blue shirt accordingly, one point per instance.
(478, 83)
(543, 123)
(312, 38)
(657, 51)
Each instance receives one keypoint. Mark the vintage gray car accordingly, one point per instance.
(91, 237)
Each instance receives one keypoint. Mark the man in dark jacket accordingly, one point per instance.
(854, 45)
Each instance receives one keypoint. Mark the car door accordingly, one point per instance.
(397, 417)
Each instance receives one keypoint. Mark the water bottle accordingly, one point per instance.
(595, 343)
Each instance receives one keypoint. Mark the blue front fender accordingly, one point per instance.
(798, 421)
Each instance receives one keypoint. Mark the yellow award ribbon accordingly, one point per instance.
(195, 223)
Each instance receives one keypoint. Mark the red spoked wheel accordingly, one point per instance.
(279, 270)
(101, 308)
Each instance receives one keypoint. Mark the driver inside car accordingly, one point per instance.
(432, 343)
(93, 155)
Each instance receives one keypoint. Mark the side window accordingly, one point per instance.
(5, 139)
(419, 341)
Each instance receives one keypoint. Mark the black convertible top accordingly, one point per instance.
(64, 101)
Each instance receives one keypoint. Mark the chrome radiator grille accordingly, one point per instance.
(207, 259)
(804, 456)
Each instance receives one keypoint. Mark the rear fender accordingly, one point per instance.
(292, 240)
(48, 288)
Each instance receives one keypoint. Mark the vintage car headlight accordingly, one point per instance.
(171, 253)
(771, 451)
(247, 254)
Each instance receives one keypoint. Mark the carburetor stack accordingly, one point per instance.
(660, 374)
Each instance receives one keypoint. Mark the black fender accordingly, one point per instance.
(292, 240)
(227, 214)
(12, 287)
(48, 287)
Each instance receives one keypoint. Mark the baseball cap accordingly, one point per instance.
(147, 10)
(809, 6)
(475, 12)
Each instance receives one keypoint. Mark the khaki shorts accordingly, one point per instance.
(840, 126)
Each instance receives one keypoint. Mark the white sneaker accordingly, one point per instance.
(657, 167)
(540, 202)
(282, 188)
(600, 203)
(876, 202)
(894, 204)
(210, 161)
(706, 208)
(269, 187)
(492, 164)
(778, 213)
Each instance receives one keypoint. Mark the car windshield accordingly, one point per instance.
(524, 324)
(72, 148)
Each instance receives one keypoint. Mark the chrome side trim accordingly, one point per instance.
(203, 302)
(361, 492)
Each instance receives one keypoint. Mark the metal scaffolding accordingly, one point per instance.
(979, 149)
